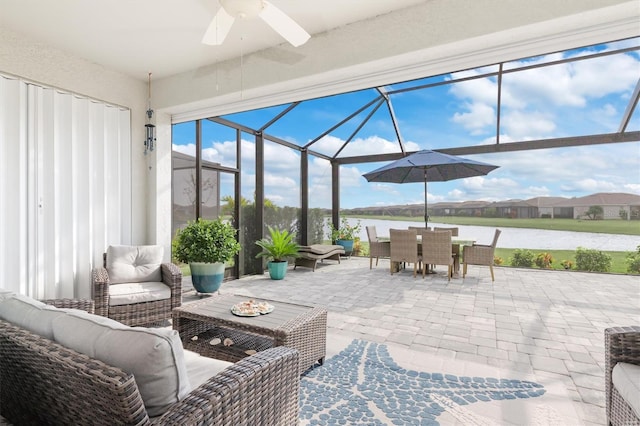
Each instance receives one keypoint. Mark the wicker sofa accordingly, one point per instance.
(622, 375)
(46, 382)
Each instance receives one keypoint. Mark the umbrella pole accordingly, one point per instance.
(426, 215)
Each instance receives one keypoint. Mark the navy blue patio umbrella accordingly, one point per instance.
(428, 166)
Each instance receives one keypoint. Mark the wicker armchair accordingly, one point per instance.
(455, 248)
(436, 250)
(377, 248)
(480, 255)
(404, 249)
(622, 344)
(142, 308)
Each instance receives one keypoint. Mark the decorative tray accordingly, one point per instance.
(251, 308)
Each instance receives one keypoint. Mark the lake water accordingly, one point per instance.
(519, 237)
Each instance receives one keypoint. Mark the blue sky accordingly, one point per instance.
(570, 99)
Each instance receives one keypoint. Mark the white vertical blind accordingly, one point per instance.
(65, 188)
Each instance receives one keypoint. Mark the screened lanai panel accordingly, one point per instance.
(376, 134)
(248, 231)
(319, 199)
(281, 188)
(219, 144)
(255, 119)
(461, 112)
(69, 186)
(577, 98)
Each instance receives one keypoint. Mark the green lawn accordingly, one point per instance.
(623, 227)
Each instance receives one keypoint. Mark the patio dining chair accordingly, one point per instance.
(455, 248)
(419, 229)
(377, 248)
(404, 249)
(436, 250)
(478, 254)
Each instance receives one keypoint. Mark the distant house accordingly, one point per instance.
(464, 208)
(546, 207)
(615, 205)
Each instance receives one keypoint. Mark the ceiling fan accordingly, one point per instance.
(274, 17)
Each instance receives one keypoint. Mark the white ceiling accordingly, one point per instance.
(163, 36)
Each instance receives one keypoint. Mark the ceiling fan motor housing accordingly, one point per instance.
(242, 8)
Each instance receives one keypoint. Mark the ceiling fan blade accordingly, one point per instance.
(218, 28)
(284, 25)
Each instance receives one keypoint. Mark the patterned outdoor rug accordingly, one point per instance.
(364, 384)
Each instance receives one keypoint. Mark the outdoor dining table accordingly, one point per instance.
(456, 243)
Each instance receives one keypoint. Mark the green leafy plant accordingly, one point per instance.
(633, 261)
(279, 246)
(207, 241)
(544, 260)
(345, 231)
(592, 260)
(567, 264)
(522, 258)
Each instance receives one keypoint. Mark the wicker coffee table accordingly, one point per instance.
(205, 325)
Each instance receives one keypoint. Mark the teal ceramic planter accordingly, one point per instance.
(207, 277)
(347, 244)
(277, 270)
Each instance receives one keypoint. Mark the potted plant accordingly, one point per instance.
(206, 245)
(278, 248)
(345, 234)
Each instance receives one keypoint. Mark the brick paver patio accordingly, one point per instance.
(549, 323)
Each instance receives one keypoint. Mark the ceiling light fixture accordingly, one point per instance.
(246, 9)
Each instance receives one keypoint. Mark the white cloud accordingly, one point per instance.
(488, 188)
(350, 176)
(590, 186)
(521, 125)
(359, 146)
(456, 195)
(632, 187)
(271, 180)
(478, 117)
(532, 100)
(189, 149)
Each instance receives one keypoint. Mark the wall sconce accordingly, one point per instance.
(150, 128)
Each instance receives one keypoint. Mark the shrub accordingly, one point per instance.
(595, 212)
(633, 261)
(592, 260)
(567, 264)
(522, 258)
(544, 260)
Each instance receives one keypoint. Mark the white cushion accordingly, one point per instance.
(30, 314)
(154, 356)
(5, 293)
(134, 264)
(202, 368)
(128, 293)
(626, 378)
